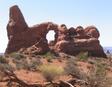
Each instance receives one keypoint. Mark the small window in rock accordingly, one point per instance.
(50, 36)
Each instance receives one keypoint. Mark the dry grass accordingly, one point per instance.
(50, 72)
(71, 68)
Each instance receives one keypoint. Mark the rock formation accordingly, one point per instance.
(16, 23)
(22, 36)
(33, 39)
(85, 40)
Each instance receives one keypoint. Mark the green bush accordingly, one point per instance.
(3, 59)
(34, 64)
(97, 77)
(6, 67)
(17, 56)
(72, 69)
(49, 56)
(51, 71)
(31, 64)
(21, 64)
(83, 56)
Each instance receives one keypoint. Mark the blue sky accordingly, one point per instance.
(69, 12)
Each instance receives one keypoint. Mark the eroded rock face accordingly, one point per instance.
(33, 39)
(83, 40)
(92, 31)
(16, 23)
(22, 36)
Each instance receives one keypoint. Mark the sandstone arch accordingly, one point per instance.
(33, 39)
(22, 36)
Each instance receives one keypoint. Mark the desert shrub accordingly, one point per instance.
(97, 77)
(51, 71)
(5, 66)
(31, 64)
(34, 64)
(21, 64)
(17, 56)
(83, 56)
(49, 56)
(19, 60)
(49, 59)
(109, 61)
(72, 69)
(3, 59)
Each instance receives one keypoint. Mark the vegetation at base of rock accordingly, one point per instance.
(3, 59)
(83, 56)
(49, 56)
(97, 76)
(50, 72)
(31, 64)
(17, 55)
(4, 64)
(21, 64)
(71, 68)
(34, 64)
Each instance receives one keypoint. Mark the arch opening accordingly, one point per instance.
(50, 36)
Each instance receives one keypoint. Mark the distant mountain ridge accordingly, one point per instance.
(107, 49)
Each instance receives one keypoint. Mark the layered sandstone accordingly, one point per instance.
(33, 39)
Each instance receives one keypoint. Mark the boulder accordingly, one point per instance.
(81, 33)
(92, 31)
